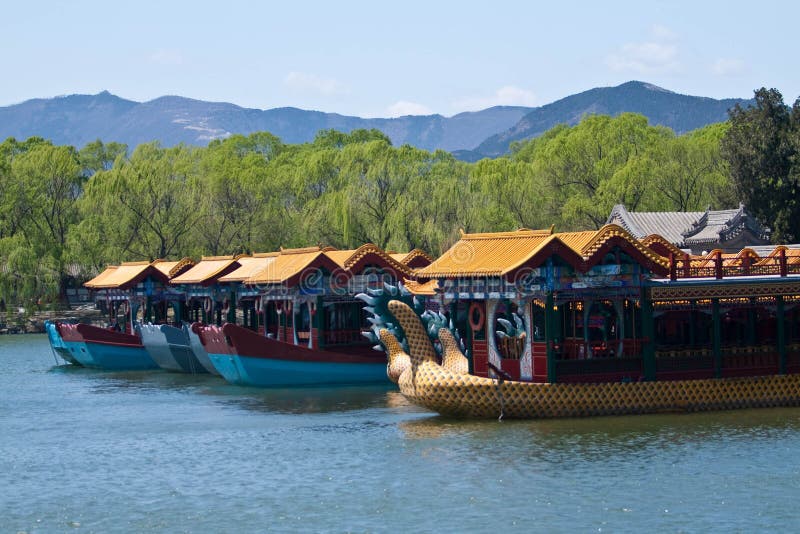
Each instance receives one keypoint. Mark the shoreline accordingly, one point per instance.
(34, 324)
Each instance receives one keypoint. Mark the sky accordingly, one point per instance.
(386, 59)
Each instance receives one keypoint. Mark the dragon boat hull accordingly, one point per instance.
(465, 395)
(58, 344)
(243, 357)
(169, 348)
(448, 388)
(99, 348)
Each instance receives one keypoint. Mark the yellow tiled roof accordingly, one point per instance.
(172, 268)
(417, 288)
(98, 280)
(286, 265)
(121, 275)
(207, 268)
(250, 266)
(487, 254)
(496, 254)
(578, 241)
(347, 259)
(610, 231)
(655, 238)
(408, 257)
(340, 256)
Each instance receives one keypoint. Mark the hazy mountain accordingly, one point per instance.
(79, 119)
(682, 113)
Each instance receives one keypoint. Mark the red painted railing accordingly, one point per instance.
(717, 266)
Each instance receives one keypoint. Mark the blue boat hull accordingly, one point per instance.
(115, 357)
(267, 372)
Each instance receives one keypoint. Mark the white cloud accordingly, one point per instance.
(658, 55)
(303, 81)
(403, 107)
(727, 67)
(509, 95)
(166, 56)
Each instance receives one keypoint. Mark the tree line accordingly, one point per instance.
(65, 212)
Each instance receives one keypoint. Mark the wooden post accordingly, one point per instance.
(780, 317)
(550, 336)
(687, 265)
(673, 268)
(648, 338)
(717, 334)
(718, 265)
(782, 261)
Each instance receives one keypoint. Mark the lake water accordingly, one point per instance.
(90, 451)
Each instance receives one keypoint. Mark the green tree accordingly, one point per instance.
(596, 164)
(240, 198)
(98, 156)
(762, 147)
(43, 187)
(143, 208)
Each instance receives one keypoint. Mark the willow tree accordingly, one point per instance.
(439, 200)
(43, 187)
(376, 177)
(513, 194)
(591, 166)
(143, 208)
(238, 211)
(688, 172)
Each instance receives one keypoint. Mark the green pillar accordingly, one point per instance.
(550, 336)
(318, 320)
(780, 317)
(717, 340)
(231, 318)
(148, 310)
(648, 339)
(751, 323)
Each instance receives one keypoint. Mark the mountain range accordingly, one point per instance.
(79, 119)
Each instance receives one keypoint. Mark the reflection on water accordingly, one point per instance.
(276, 400)
(300, 400)
(679, 427)
(157, 451)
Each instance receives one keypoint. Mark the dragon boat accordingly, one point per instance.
(537, 324)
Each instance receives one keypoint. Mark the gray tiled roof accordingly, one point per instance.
(684, 229)
(669, 224)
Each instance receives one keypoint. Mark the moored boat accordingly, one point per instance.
(101, 348)
(244, 357)
(537, 324)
